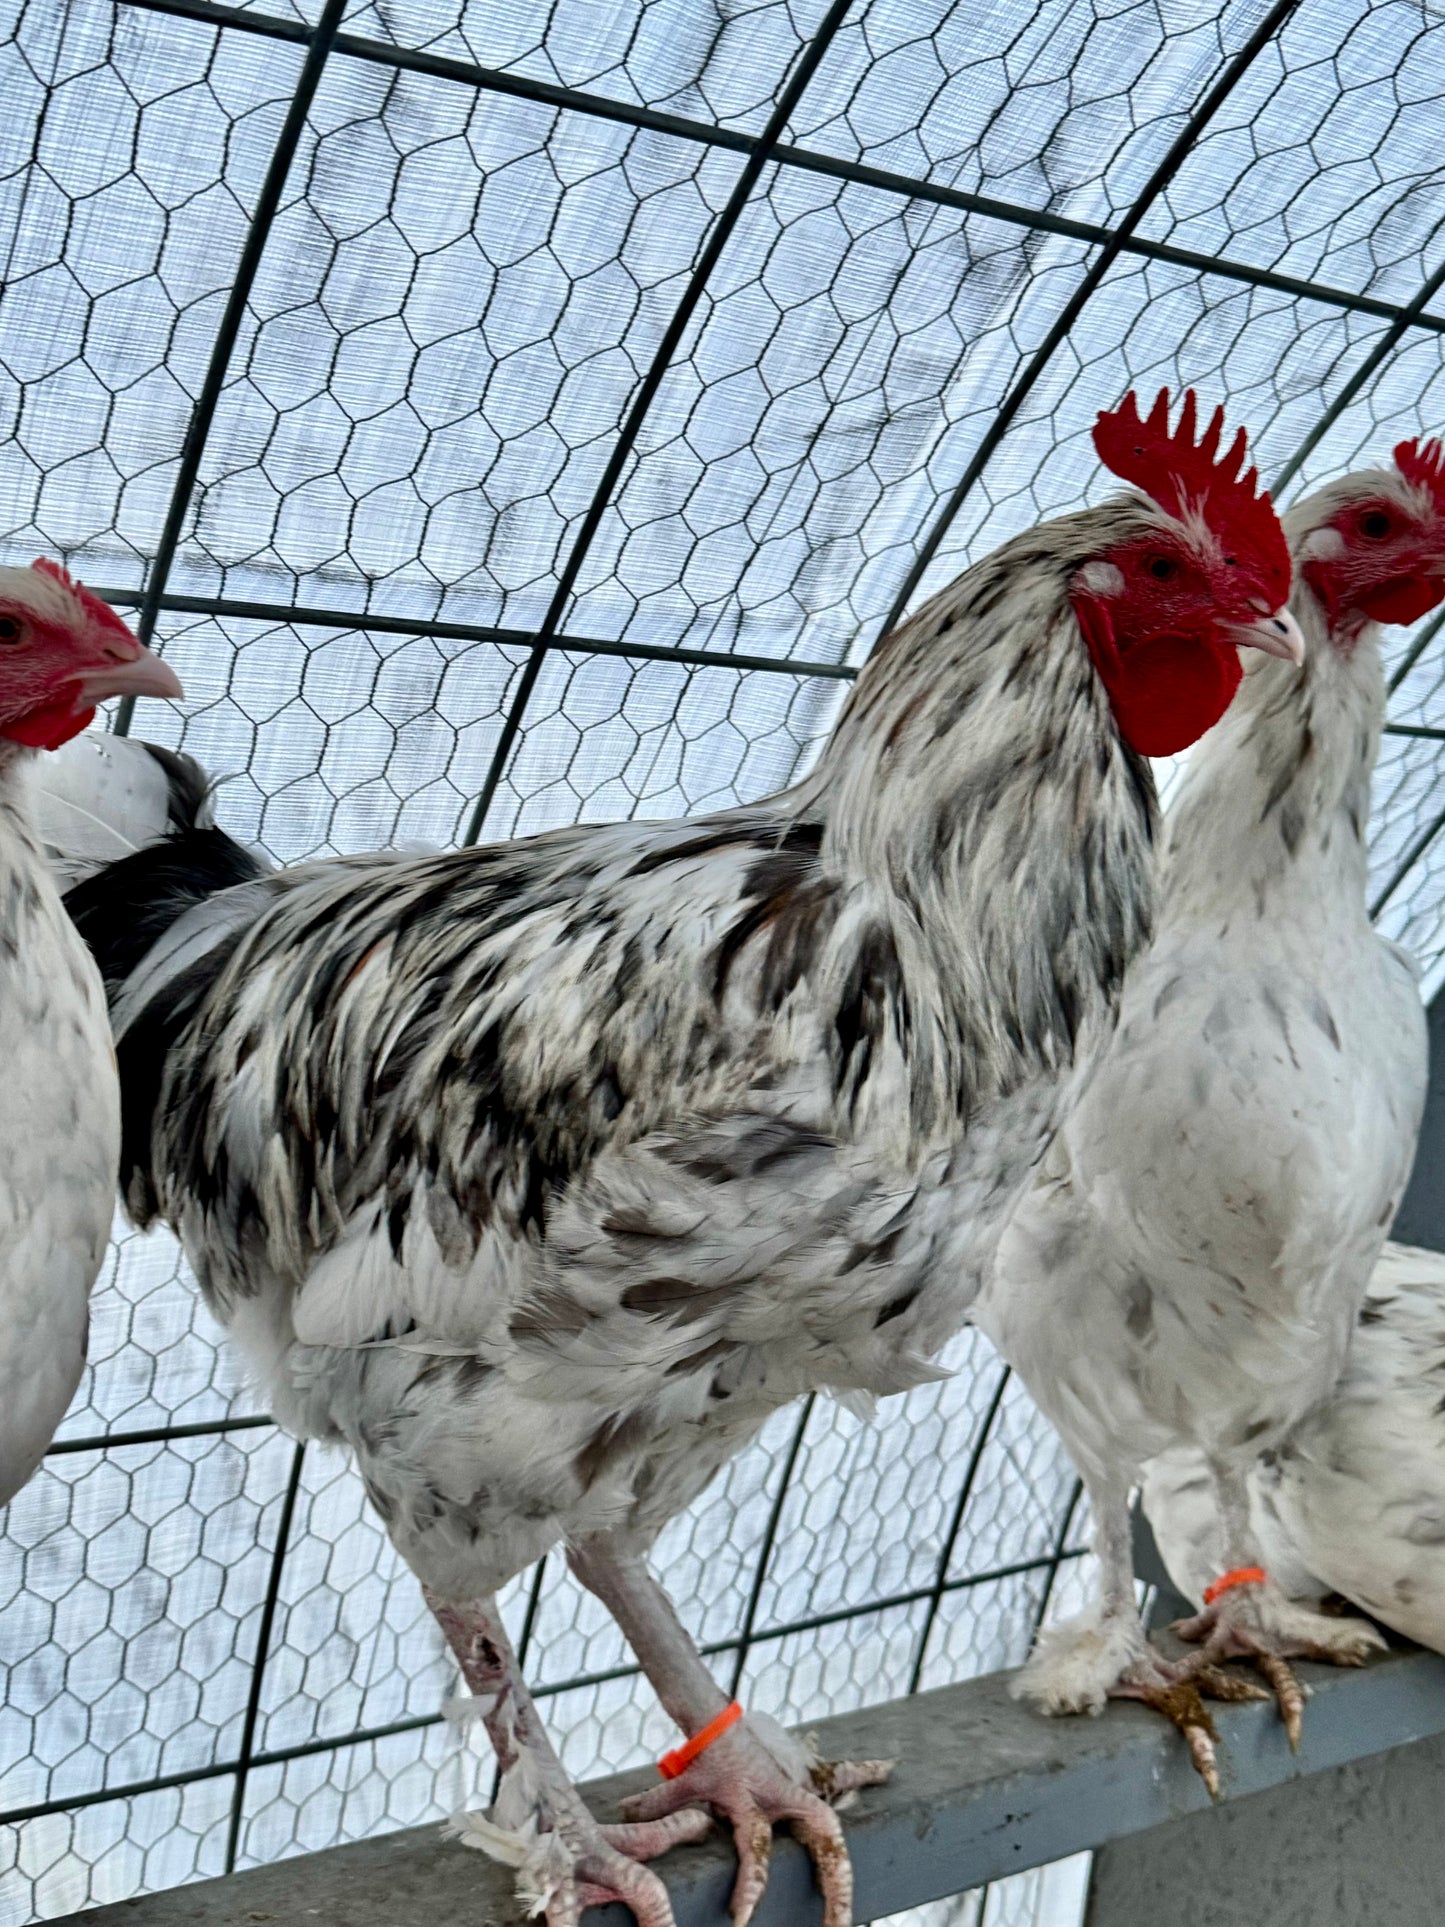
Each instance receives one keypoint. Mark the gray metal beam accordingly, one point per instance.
(1359, 1846)
(983, 1788)
(1421, 1217)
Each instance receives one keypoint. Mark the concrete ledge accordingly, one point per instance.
(983, 1788)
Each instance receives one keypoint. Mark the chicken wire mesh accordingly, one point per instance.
(504, 416)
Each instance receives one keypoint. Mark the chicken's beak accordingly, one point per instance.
(1276, 635)
(141, 674)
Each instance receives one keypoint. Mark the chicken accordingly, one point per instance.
(62, 650)
(541, 1174)
(1353, 1501)
(1185, 1273)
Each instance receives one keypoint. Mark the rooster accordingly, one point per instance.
(1185, 1273)
(541, 1174)
(1353, 1501)
(62, 650)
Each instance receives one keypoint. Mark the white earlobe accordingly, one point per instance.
(1101, 578)
(1322, 545)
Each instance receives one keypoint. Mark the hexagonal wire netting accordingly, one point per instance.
(504, 415)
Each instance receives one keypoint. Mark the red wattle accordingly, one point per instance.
(1167, 690)
(1405, 600)
(49, 727)
(1170, 689)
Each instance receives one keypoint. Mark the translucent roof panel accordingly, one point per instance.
(505, 414)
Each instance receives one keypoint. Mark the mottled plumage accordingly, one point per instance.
(541, 1174)
(653, 1126)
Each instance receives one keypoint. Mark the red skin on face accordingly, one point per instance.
(49, 727)
(1160, 645)
(61, 653)
(1167, 690)
(1383, 572)
(1160, 641)
(40, 678)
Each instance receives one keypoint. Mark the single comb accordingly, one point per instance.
(94, 606)
(1184, 476)
(1424, 465)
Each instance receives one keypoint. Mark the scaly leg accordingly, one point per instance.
(1105, 1653)
(1258, 1622)
(755, 1773)
(564, 1859)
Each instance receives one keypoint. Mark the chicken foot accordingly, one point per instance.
(755, 1773)
(1256, 1621)
(564, 1859)
(1105, 1653)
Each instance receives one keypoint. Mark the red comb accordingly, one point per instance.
(92, 604)
(1181, 475)
(1424, 465)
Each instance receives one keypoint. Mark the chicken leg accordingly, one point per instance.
(1258, 1622)
(564, 1859)
(1105, 1653)
(756, 1773)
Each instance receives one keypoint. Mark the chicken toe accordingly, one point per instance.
(754, 1776)
(1257, 1622)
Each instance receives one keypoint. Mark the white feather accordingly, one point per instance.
(95, 800)
(1185, 1277)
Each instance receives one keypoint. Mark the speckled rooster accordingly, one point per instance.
(541, 1174)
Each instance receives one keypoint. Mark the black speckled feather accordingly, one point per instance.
(541, 1173)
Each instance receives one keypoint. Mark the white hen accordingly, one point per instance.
(1187, 1271)
(1353, 1501)
(62, 650)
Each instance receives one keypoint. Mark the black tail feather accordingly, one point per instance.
(130, 904)
(123, 910)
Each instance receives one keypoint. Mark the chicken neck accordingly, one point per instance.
(1274, 807)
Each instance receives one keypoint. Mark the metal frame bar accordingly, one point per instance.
(246, 1758)
(950, 1537)
(605, 1676)
(765, 1550)
(159, 1434)
(1178, 152)
(204, 413)
(304, 617)
(791, 92)
(1375, 359)
(1424, 637)
(809, 160)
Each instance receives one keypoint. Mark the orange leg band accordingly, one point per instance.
(1241, 1576)
(677, 1762)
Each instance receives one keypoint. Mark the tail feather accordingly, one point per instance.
(153, 807)
(159, 899)
(101, 798)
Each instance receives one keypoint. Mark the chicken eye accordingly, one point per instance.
(11, 629)
(1375, 524)
(1163, 568)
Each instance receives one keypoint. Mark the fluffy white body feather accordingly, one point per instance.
(59, 1139)
(1353, 1500)
(1187, 1271)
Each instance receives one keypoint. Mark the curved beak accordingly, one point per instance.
(141, 674)
(1276, 635)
